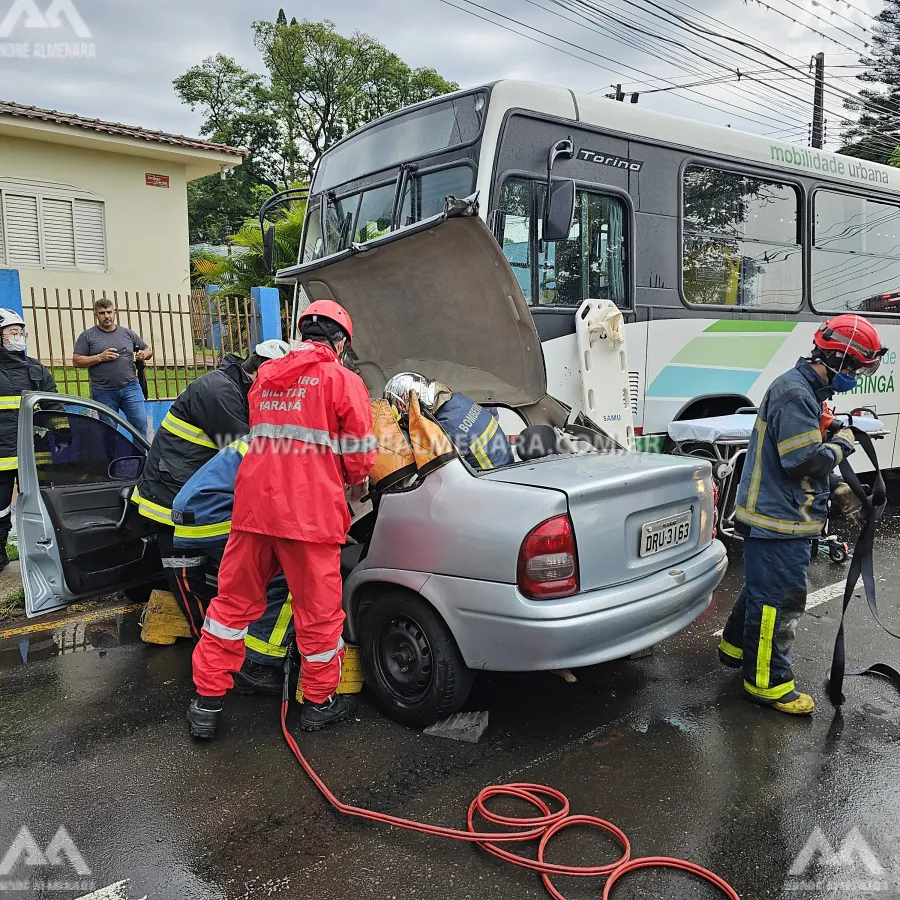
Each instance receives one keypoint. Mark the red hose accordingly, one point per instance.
(540, 827)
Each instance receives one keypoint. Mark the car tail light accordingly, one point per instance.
(548, 561)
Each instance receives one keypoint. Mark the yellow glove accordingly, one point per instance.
(846, 434)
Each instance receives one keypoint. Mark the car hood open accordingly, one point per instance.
(438, 298)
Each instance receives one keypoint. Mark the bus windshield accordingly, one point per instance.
(421, 132)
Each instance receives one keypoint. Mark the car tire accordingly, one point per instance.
(410, 659)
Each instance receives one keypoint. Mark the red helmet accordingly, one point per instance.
(853, 336)
(328, 309)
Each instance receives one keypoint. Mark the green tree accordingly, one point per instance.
(876, 132)
(319, 86)
(282, 18)
(323, 85)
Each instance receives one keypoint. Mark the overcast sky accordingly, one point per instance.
(142, 47)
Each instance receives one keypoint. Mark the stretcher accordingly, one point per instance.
(723, 440)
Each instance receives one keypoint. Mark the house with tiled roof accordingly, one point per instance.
(88, 206)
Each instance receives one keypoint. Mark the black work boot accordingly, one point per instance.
(4, 558)
(255, 678)
(336, 708)
(203, 714)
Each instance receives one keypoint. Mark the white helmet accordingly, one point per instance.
(10, 317)
(398, 389)
(271, 349)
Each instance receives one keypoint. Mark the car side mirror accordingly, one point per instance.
(560, 211)
(269, 248)
(126, 468)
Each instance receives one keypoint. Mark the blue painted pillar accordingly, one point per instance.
(10, 290)
(267, 306)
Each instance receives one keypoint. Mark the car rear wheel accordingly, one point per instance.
(410, 659)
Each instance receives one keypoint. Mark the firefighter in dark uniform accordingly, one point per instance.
(18, 373)
(475, 433)
(208, 414)
(782, 504)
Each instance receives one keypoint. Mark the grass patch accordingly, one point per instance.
(163, 382)
(12, 603)
(12, 552)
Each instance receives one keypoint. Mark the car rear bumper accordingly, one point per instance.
(500, 630)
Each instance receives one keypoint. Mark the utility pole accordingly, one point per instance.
(818, 122)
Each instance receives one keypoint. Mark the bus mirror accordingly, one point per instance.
(269, 248)
(560, 210)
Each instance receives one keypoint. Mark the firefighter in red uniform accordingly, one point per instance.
(310, 434)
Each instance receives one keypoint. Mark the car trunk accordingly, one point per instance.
(603, 489)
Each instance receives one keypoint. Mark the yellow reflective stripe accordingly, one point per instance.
(764, 650)
(756, 477)
(808, 502)
(150, 510)
(10, 402)
(477, 446)
(7, 463)
(731, 650)
(284, 619)
(43, 459)
(202, 531)
(186, 431)
(780, 526)
(772, 693)
(838, 453)
(273, 647)
(241, 446)
(807, 439)
(252, 643)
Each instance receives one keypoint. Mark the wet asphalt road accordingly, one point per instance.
(665, 747)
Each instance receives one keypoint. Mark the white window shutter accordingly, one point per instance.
(90, 234)
(59, 233)
(23, 236)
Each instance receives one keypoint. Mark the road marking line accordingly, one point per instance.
(115, 891)
(816, 598)
(81, 618)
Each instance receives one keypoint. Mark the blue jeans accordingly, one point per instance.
(129, 401)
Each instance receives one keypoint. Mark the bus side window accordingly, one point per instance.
(741, 241)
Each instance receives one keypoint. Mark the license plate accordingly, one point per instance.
(665, 533)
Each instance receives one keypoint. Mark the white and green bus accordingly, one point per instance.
(724, 250)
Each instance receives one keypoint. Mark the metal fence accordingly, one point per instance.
(189, 333)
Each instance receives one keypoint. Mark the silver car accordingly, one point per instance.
(568, 560)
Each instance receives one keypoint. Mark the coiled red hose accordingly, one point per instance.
(540, 828)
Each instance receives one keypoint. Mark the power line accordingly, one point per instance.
(741, 115)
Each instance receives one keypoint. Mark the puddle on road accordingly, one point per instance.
(64, 638)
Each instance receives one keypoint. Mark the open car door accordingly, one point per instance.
(79, 535)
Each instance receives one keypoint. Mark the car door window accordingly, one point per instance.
(73, 447)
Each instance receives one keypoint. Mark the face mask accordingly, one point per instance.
(17, 344)
(842, 382)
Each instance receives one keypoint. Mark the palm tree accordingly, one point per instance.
(244, 268)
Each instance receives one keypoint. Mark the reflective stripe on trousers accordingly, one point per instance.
(217, 629)
(271, 645)
(327, 656)
(183, 562)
